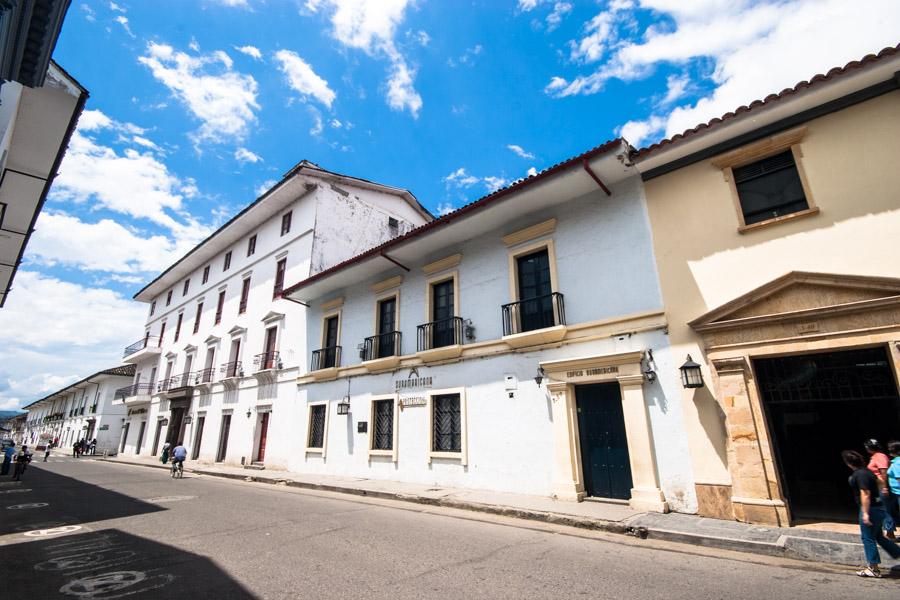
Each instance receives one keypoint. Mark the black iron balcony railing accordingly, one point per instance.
(133, 390)
(534, 313)
(325, 358)
(150, 340)
(93, 408)
(381, 346)
(176, 381)
(232, 369)
(267, 360)
(204, 375)
(440, 333)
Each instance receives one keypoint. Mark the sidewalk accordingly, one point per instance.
(790, 542)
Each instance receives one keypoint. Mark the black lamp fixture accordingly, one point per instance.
(691, 375)
(344, 405)
(249, 412)
(650, 371)
(540, 376)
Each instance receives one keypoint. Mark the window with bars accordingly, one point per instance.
(770, 188)
(446, 423)
(316, 426)
(383, 425)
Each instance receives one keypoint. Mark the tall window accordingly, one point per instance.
(536, 301)
(227, 261)
(162, 333)
(251, 245)
(279, 278)
(245, 295)
(169, 297)
(219, 306)
(197, 318)
(446, 423)
(152, 308)
(383, 425)
(316, 437)
(286, 223)
(178, 325)
(770, 188)
(329, 360)
(187, 284)
(442, 309)
(387, 325)
(205, 273)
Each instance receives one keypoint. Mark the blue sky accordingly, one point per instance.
(196, 105)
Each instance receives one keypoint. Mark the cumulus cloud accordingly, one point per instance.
(493, 183)
(251, 51)
(639, 131)
(460, 179)
(445, 208)
(560, 10)
(519, 151)
(265, 186)
(532, 171)
(242, 155)
(123, 21)
(301, 77)
(222, 99)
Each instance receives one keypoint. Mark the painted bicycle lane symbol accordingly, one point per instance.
(52, 531)
(115, 584)
(27, 505)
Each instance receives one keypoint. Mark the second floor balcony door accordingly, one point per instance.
(442, 308)
(269, 356)
(331, 342)
(387, 324)
(536, 302)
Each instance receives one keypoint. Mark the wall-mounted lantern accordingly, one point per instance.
(249, 412)
(691, 374)
(469, 329)
(540, 376)
(344, 406)
(650, 371)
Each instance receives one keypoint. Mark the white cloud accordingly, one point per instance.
(123, 21)
(54, 332)
(467, 57)
(755, 48)
(235, 3)
(251, 51)
(370, 27)
(637, 132)
(445, 208)
(560, 10)
(301, 77)
(676, 87)
(519, 151)
(421, 37)
(89, 14)
(318, 123)
(336, 124)
(493, 184)
(528, 5)
(460, 179)
(265, 186)
(116, 7)
(242, 155)
(224, 100)
(146, 143)
(531, 172)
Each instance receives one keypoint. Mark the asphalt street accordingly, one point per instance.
(91, 529)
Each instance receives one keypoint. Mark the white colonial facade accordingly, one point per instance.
(83, 410)
(518, 344)
(217, 364)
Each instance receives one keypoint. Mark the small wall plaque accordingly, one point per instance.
(362, 427)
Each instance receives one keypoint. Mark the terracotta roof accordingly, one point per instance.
(120, 371)
(460, 212)
(783, 94)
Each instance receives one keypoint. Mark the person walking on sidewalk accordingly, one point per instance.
(893, 477)
(878, 464)
(867, 493)
(9, 454)
(47, 451)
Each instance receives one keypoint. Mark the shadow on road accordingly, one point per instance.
(67, 501)
(113, 564)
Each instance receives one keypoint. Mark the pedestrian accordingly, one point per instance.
(8, 454)
(93, 446)
(47, 451)
(893, 476)
(22, 460)
(75, 449)
(165, 453)
(867, 493)
(878, 464)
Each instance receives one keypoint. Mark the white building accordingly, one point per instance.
(221, 349)
(518, 344)
(82, 410)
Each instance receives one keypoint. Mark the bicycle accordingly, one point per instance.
(177, 469)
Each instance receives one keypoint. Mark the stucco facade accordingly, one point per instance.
(726, 286)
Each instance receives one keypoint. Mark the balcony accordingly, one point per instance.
(136, 352)
(204, 376)
(325, 362)
(266, 361)
(382, 351)
(134, 394)
(534, 321)
(232, 369)
(177, 385)
(440, 340)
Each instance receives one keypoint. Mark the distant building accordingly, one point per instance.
(39, 107)
(221, 348)
(82, 410)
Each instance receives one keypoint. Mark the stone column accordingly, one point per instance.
(752, 498)
(646, 494)
(568, 484)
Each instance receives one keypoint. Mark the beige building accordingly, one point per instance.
(776, 231)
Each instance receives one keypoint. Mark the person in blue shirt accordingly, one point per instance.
(179, 453)
(8, 454)
(893, 477)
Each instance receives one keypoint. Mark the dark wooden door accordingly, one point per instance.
(223, 438)
(387, 324)
(604, 446)
(176, 418)
(331, 342)
(140, 441)
(269, 358)
(442, 309)
(124, 437)
(195, 451)
(263, 431)
(155, 447)
(535, 302)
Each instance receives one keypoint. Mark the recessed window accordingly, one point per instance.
(152, 308)
(245, 296)
(197, 318)
(286, 223)
(162, 333)
(316, 436)
(393, 225)
(168, 297)
(383, 424)
(187, 285)
(219, 306)
(770, 188)
(280, 268)
(178, 325)
(227, 261)
(251, 245)
(205, 273)
(446, 423)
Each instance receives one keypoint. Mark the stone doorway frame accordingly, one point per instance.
(625, 369)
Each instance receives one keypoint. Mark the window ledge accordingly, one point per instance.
(548, 335)
(320, 451)
(389, 453)
(442, 353)
(381, 364)
(455, 455)
(784, 218)
(324, 374)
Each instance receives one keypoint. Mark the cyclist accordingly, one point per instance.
(179, 453)
(22, 460)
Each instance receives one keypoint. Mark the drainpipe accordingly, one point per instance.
(590, 171)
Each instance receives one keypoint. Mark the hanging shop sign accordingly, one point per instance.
(104, 428)
(407, 401)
